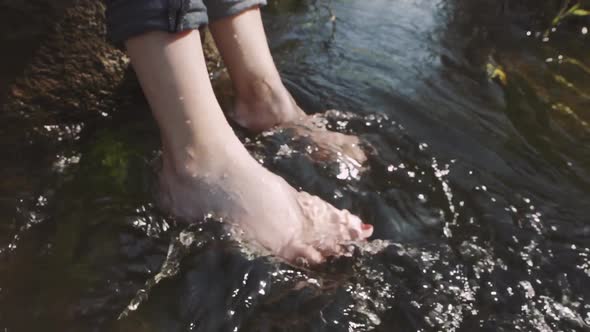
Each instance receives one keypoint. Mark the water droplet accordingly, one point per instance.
(284, 151)
(186, 238)
(447, 231)
(528, 288)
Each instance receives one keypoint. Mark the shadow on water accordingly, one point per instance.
(476, 116)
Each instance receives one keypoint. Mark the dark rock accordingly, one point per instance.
(74, 68)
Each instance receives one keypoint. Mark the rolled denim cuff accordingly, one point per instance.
(129, 18)
(222, 8)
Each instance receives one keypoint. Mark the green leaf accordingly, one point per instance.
(581, 12)
(571, 10)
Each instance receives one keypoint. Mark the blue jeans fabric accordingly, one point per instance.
(128, 18)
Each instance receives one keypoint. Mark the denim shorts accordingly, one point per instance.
(128, 18)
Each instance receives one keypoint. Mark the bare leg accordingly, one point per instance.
(262, 101)
(261, 98)
(207, 169)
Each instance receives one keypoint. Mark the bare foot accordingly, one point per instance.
(289, 223)
(331, 145)
(269, 104)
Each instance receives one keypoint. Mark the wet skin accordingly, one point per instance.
(206, 169)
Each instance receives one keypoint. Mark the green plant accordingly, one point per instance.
(567, 11)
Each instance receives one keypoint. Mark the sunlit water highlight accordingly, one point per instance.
(478, 190)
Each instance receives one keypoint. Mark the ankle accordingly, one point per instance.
(266, 102)
(198, 162)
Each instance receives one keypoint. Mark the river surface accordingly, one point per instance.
(478, 185)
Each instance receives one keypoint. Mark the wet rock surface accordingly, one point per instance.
(477, 189)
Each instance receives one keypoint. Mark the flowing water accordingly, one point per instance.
(478, 184)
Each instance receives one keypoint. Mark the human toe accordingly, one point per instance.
(356, 228)
(303, 254)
